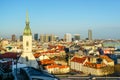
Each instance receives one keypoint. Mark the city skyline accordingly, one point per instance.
(62, 16)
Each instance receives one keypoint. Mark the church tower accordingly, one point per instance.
(27, 55)
(27, 37)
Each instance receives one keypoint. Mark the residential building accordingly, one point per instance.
(89, 34)
(13, 37)
(97, 69)
(52, 37)
(77, 37)
(46, 38)
(4, 43)
(21, 38)
(56, 38)
(90, 65)
(68, 37)
(77, 62)
(57, 69)
(36, 36)
(42, 38)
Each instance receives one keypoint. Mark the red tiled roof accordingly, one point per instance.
(106, 58)
(52, 66)
(46, 61)
(63, 66)
(60, 47)
(94, 65)
(50, 51)
(51, 46)
(9, 55)
(56, 66)
(36, 55)
(78, 59)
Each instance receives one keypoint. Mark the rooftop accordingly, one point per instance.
(79, 59)
(106, 58)
(94, 65)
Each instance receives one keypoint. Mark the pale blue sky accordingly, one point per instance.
(61, 16)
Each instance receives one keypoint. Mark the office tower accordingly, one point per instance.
(42, 39)
(46, 37)
(13, 37)
(77, 37)
(21, 38)
(27, 55)
(89, 34)
(36, 37)
(56, 38)
(52, 37)
(68, 37)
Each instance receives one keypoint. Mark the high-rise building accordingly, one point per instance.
(36, 37)
(46, 38)
(21, 38)
(89, 34)
(56, 38)
(42, 38)
(27, 55)
(52, 37)
(68, 37)
(77, 37)
(13, 37)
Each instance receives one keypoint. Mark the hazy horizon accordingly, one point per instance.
(61, 16)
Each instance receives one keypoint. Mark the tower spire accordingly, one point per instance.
(27, 18)
(27, 30)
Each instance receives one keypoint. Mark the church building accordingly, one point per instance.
(27, 56)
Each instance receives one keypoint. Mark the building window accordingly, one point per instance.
(27, 43)
(27, 59)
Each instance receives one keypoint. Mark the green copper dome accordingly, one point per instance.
(27, 30)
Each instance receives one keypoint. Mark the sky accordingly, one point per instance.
(61, 16)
